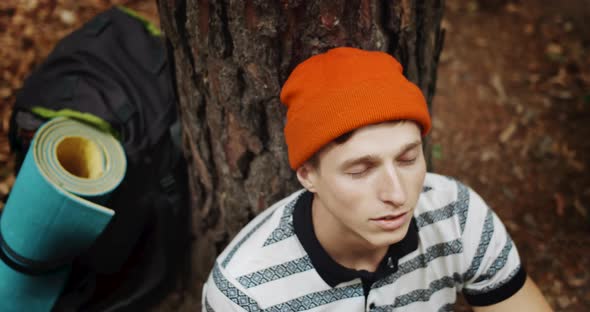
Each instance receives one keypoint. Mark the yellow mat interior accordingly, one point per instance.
(80, 157)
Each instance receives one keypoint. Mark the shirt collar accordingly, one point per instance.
(329, 270)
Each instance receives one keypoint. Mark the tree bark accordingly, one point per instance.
(231, 58)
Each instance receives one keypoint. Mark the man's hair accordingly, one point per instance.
(314, 160)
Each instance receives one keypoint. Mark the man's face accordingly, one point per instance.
(366, 189)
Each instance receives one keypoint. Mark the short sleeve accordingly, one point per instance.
(493, 270)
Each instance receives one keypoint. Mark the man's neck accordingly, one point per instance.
(344, 247)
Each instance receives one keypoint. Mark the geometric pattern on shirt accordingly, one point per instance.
(276, 272)
(285, 228)
(422, 295)
(305, 302)
(486, 236)
(421, 261)
(245, 238)
(499, 263)
(426, 189)
(319, 298)
(459, 207)
(233, 293)
(486, 289)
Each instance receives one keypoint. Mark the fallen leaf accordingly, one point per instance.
(512, 8)
(496, 82)
(472, 6)
(68, 17)
(575, 277)
(530, 221)
(564, 301)
(557, 286)
(5, 92)
(528, 116)
(544, 147)
(576, 164)
(446, 25)
(483, 179)
(559, 204)
(488, 155)
(30, 5)
(554, 48)
(507, 133)
(529, 29)
(561, 78)
(4, 188)
(512, 226)
(517, 170)
(18, 19)
(481, 42)
(483, 92)
(508, 193)
(533, 79)
(580, 208)
(562, 95)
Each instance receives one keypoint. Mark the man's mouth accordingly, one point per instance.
(390, 217)
(390, 222)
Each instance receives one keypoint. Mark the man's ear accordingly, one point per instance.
(306, 176)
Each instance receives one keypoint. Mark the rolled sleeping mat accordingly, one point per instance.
(55, 210)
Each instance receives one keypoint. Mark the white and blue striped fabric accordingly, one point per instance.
(462, 247)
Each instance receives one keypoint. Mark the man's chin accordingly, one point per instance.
(385, 239)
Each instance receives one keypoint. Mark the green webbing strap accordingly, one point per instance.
(151, 28)
(91, 119)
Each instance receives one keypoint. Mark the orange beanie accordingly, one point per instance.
(344, 89)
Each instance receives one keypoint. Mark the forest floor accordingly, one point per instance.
(512, 120)
(511, 117)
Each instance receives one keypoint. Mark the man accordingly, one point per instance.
(371, 231)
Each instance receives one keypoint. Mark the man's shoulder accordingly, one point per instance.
(265, 264)
(269, 239)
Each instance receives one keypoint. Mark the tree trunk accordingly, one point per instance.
(231, 58)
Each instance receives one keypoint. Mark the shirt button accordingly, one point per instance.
(372, 306)
(390, 263)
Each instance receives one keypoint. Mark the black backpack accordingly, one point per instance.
(115, 68)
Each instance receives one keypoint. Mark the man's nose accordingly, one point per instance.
(391, 188)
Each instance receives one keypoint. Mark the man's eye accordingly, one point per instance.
(358, 172)
(408, 161)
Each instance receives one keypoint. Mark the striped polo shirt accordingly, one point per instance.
(455, 243)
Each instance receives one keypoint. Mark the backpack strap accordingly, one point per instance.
(176, 138)
(168, 183)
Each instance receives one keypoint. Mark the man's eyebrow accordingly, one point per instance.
(409, 146)
(360, 160)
